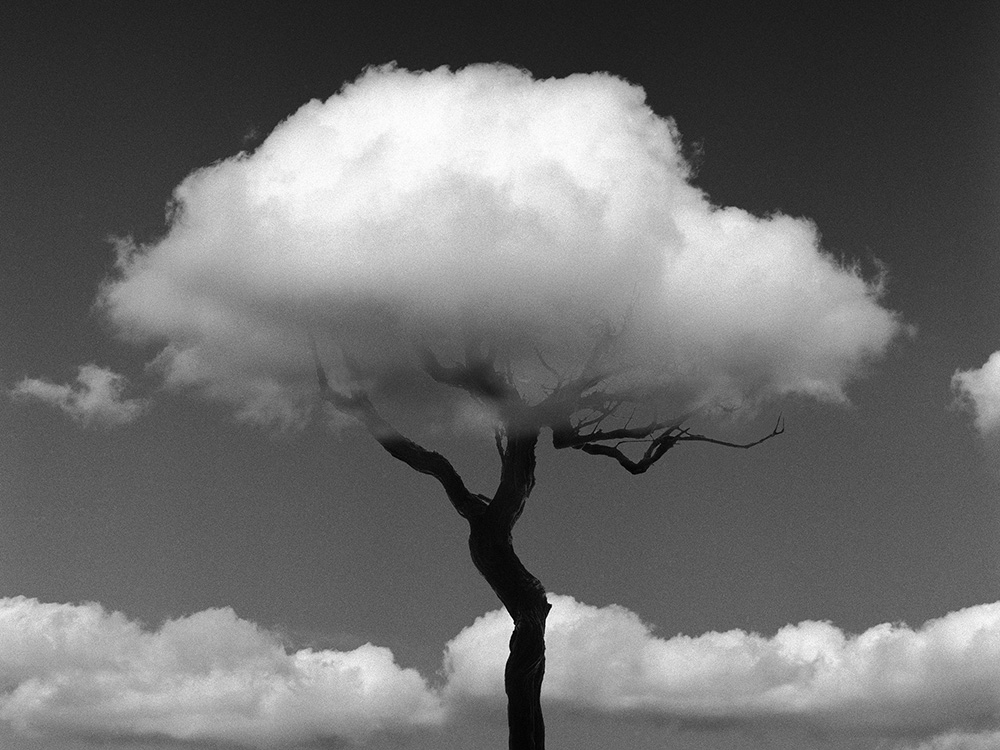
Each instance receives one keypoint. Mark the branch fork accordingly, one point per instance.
(491, 520)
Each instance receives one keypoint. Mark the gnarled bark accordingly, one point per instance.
(524, 598)
(492, 549)
(491, 522)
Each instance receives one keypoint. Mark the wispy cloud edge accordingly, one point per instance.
(95, 398)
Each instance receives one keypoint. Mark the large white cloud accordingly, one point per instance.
(77, 670)
(889, 681)
(980, 391)
(96, 398)
(439, 206)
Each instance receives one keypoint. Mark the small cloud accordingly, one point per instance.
(979, 390)
(251, 137)
(958, 741)
(96, 398)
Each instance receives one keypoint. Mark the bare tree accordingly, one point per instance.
(424, 206)
(584, 414)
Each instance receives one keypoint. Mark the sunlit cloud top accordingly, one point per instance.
(431, 208)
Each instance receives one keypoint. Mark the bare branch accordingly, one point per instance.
(573, 435)
(653, 454)
(478, 376)
(658, 445)
(517, 477)
(779, 427)
(548, 367)
(575, 439)
(572, 395)
(324, 383)
(358, 405)
(602, 345)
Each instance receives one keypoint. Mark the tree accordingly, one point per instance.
(577, 411)
(535, 246)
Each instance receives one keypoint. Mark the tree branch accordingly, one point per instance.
(358, 405)
(653, 453)
(574, 439)
(657, 447)
(779, 428)
(517, 475)
(478, 376)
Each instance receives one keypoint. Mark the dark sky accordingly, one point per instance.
(882, 125)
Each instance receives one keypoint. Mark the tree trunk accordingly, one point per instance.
(490, 523)
(524, 598)
(522, 594)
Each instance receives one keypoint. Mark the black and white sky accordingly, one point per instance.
(796, 206)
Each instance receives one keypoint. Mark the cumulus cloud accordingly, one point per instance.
(957, 741)
(979, 390)
(890, 681)
(441, 207)
(79, 671)
(96, 398)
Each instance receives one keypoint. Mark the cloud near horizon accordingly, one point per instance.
(439, 207)
(95, 399)
(891, 680)
(79, 671)
(979, 391)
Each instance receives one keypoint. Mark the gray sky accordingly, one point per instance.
(877, 518)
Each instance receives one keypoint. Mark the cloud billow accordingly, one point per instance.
(979, 390)
(434, 208)
(892, 681)
(78, 672)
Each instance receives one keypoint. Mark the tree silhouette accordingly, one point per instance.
(483, 220)
(582, 414)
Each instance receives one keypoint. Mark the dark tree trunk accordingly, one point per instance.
(524, 598)
(490, 522)
(520, 592)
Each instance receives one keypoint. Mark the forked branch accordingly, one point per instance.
(478, 376)
(658, 444)
(359, 406)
